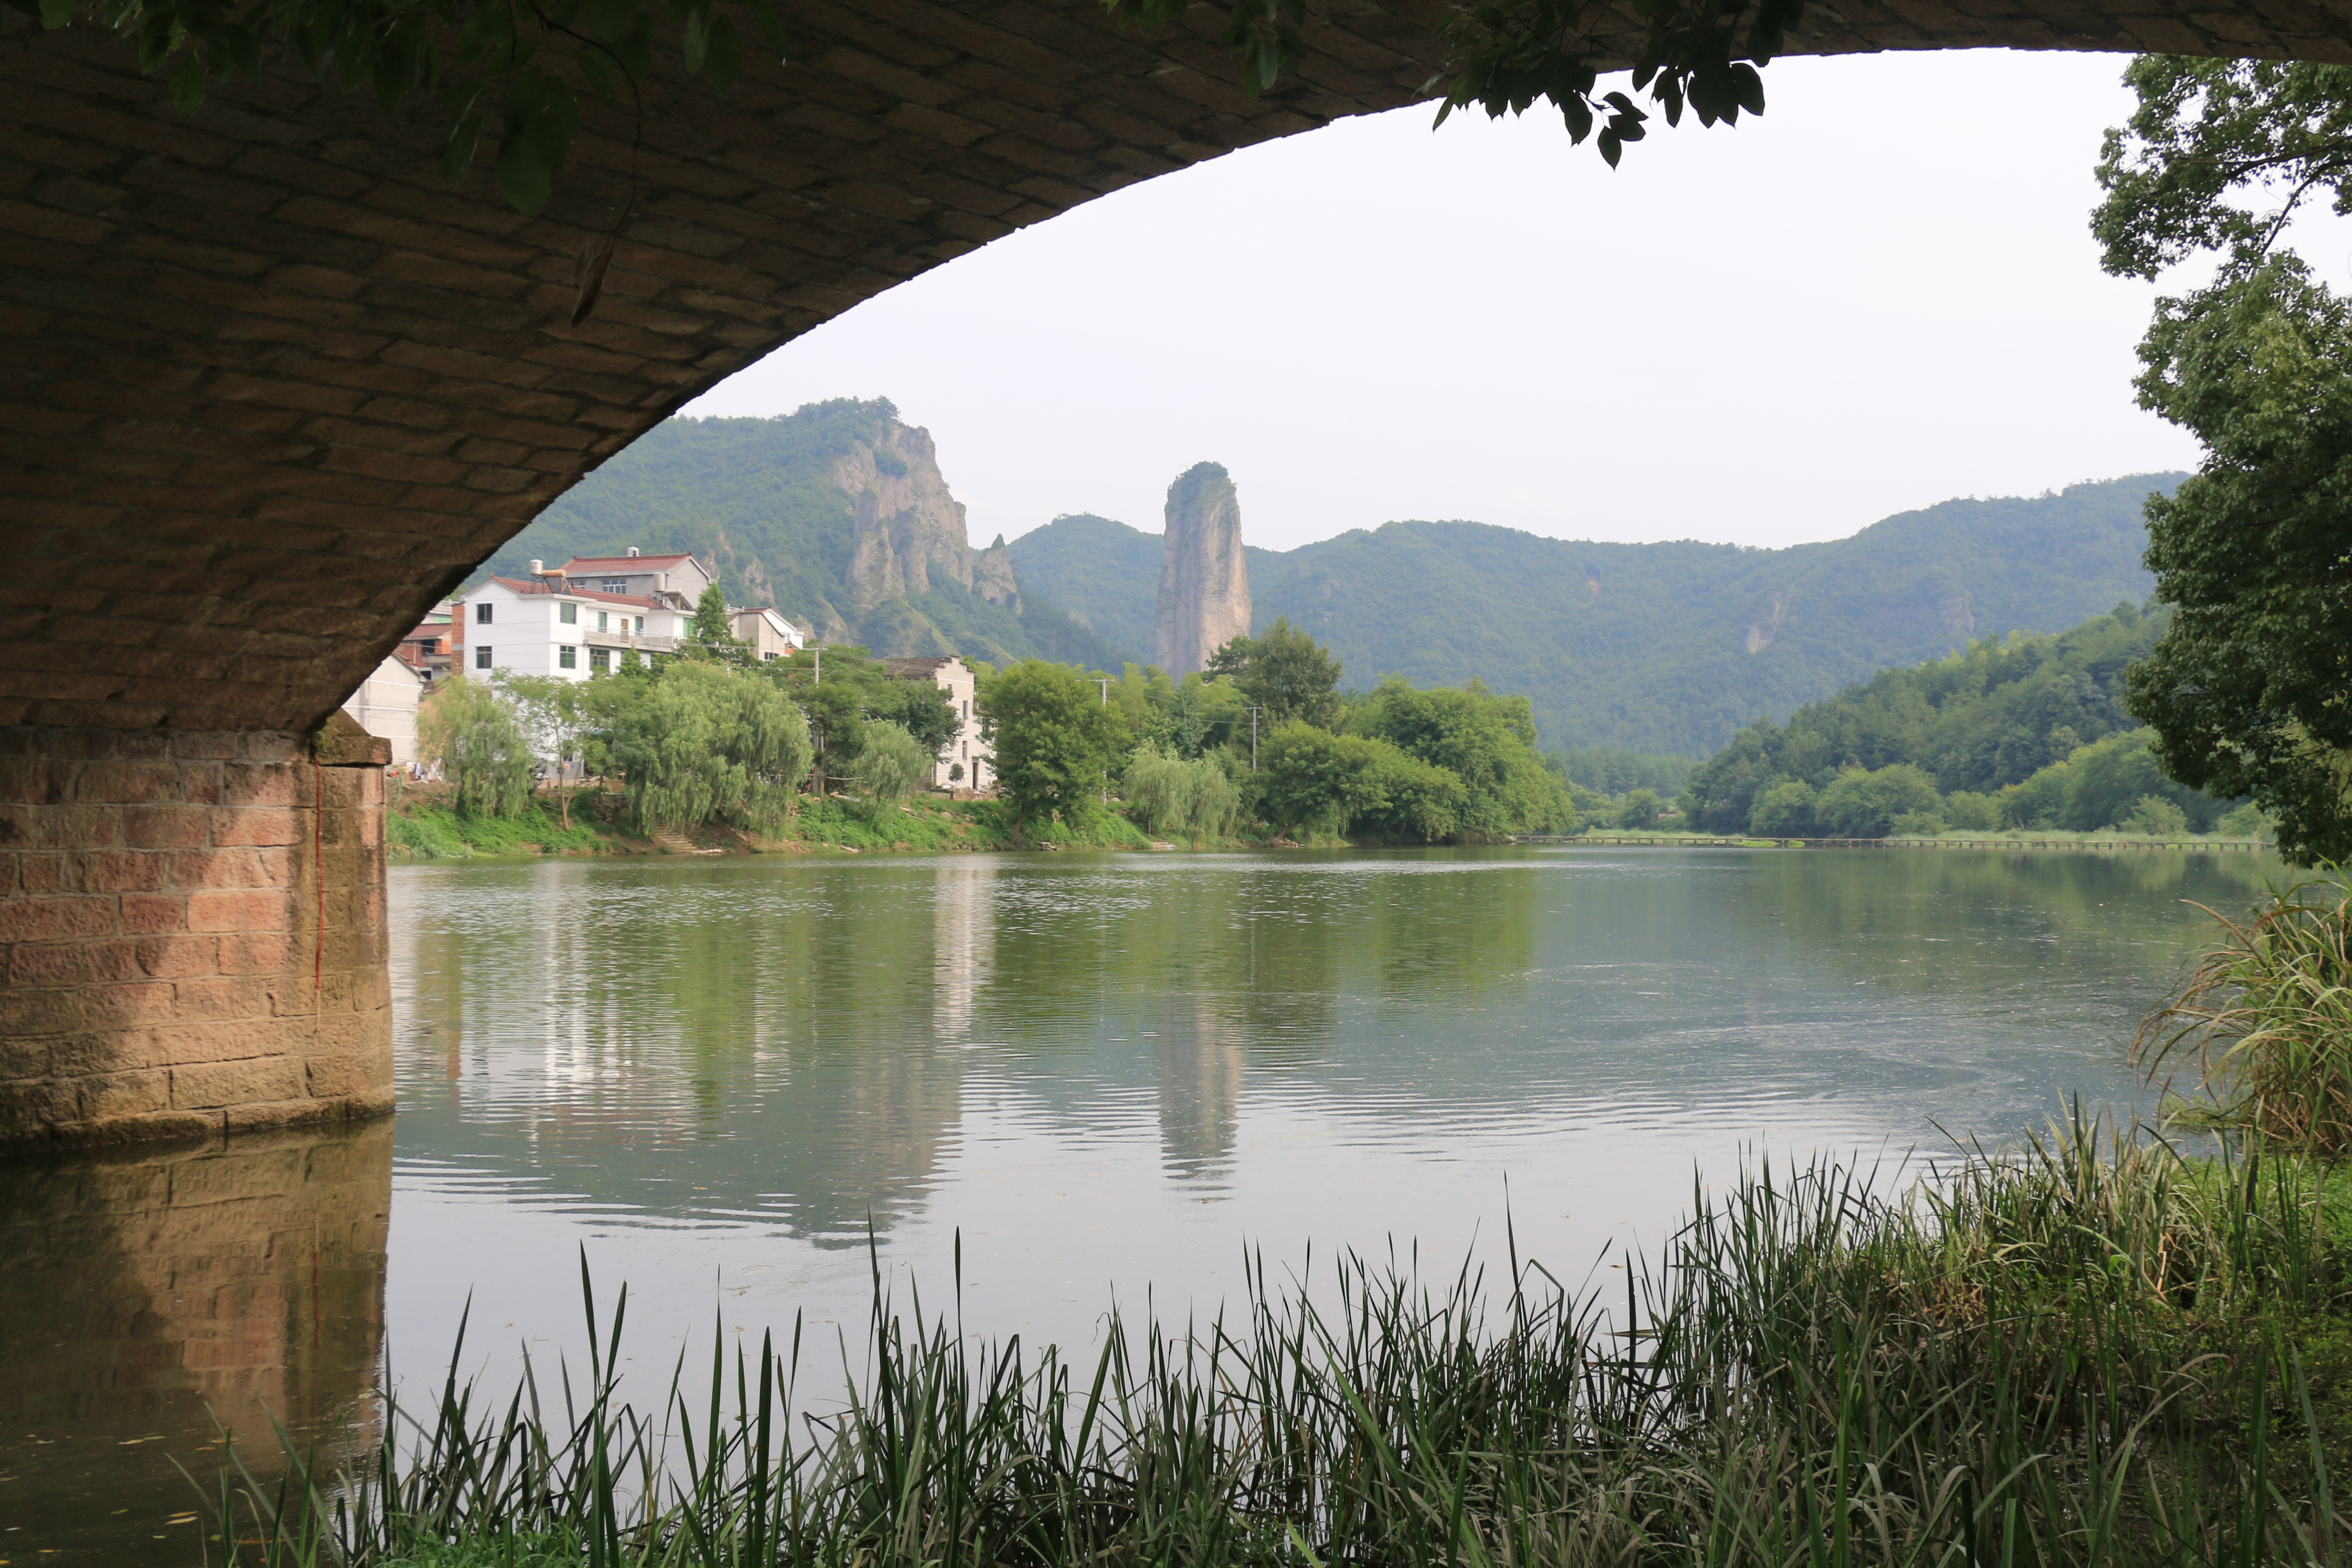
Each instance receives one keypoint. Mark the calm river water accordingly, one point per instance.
(725, 1081)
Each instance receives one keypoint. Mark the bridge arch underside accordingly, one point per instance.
(269, 389)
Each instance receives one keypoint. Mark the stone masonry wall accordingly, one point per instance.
(163, 968)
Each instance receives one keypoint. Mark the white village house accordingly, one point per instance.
(385, 706)
(969, 757)
(588, 613)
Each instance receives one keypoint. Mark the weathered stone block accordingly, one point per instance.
(108, 1095)
(252, 952)
(259, 784)
(73, 963)
(236, 910)
(255, 1081)
(144, 913)
(167, 826)
(56, 918)
(116, 871)
(177, 957)
(258, 826)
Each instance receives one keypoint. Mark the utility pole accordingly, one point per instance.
(1254, 713)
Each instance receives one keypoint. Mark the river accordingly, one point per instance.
(740, 1085)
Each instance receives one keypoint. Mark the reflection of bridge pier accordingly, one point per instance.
(144, 1295)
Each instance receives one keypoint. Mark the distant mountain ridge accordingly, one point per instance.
(1653, 647)
(836, 514)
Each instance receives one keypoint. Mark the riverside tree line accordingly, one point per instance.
(1263, 740)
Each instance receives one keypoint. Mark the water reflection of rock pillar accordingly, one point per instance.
(1200, 1053)
(143, 1295)
(963, 931)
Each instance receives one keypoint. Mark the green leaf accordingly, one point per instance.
(598, 74)
(457, 151)
(524, 177)
(1749, 87)
(771, 25)
(723, 54)
(607, 20)
(698, 37)
(634, 48)
(57, 12)
(187, 82)
(1610, 150)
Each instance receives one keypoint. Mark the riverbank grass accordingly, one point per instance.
(2085, 1350)
(2264, 1021)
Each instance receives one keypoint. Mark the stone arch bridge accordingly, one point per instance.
(269, 389)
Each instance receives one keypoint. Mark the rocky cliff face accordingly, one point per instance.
(1205, 599)
(908, 527)
(992, 576)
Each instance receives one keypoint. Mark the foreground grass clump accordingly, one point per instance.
(2266, 1017)
(2085, 1351)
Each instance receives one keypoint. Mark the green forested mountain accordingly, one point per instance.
(836, 514)
(1653, 647)
(2021, 732)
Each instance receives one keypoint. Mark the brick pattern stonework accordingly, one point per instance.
(163, 966)
(268, 387)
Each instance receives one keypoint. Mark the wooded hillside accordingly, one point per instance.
(1654, 648)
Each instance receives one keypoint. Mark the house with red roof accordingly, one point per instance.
(639, 576)
(550, 624)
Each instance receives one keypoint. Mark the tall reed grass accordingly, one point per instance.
(2265, 1019)
(2081, 1350)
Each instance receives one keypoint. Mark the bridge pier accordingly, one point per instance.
(191, 931)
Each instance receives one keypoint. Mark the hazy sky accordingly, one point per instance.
(1882, 294)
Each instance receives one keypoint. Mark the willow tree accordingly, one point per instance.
(472, 729)
(1173, 795)
(701, 742)
(892, 764)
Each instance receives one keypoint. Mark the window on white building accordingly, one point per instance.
(617, 585)
(602, 622)
(600, 658)
(482, 655)
(567, 657)
(641, 622)
(568, 613)
(482, 613)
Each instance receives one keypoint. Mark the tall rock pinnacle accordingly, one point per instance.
(1205, 599)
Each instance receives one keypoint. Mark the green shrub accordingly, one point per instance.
(2153, 816)
(1971, 811)
(1783, 810)
(437, 833)
(425, 834)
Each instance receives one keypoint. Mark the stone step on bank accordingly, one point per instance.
(192, 933)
